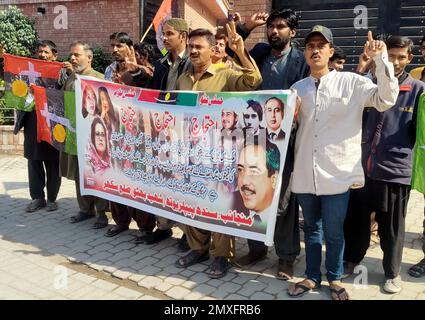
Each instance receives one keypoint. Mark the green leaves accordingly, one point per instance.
(17, 32)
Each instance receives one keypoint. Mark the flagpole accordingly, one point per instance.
(146, 32)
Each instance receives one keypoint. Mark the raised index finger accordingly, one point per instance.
(369, 36)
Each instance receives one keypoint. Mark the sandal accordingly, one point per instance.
(81, 216)
(218, 268)
(418, 270)
(101, 222)
(305, 289)
(193, 257)
(339, 293)
(112, 232)
(285, 270)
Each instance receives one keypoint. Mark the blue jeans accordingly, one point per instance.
(324, 215)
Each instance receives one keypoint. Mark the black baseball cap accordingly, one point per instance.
(323, 31)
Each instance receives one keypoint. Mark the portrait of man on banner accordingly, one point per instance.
(257, 177)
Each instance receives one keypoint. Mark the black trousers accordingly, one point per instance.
(38, 170)
(286, 236)
(122, 215)
(389, 202)
(89, 204)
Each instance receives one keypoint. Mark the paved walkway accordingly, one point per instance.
(43, 256)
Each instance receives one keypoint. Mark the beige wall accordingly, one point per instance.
(198, 16)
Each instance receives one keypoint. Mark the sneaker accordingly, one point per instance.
(51, 206)
(35, 205)
(348, 269)
(393, 285)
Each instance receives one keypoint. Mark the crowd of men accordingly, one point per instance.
(349, 154)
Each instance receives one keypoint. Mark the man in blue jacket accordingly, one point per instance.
(281, 65)
(388, 140)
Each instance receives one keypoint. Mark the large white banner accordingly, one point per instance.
(209, 160)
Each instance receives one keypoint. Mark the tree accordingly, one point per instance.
(17, 32)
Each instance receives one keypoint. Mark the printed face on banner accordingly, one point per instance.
(257, 176)
(274, 113)
(185, 156)
(89, 106)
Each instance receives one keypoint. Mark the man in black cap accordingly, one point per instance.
(328, 150)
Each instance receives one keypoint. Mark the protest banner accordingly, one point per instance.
(201, 159)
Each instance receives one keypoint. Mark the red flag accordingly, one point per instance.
(31, 68)
(164, 11)
(44, 132)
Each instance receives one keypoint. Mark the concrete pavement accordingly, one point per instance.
(43, 256)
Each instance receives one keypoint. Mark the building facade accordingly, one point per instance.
(94, 20)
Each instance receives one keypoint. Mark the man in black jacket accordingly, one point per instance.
(281, 65)
(43, 159)
(167, 70)
(387, 142)
(176, 62)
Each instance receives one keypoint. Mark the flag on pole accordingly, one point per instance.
(418, 174)
(20, 73)
(163, 14)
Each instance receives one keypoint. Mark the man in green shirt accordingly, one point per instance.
(80, 64)
(203, 76)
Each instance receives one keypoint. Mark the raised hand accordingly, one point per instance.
(68, 67)
(256, 20)
(234, 39)
(131, 64)
(373, 47)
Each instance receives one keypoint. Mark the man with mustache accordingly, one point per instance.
(121, 47)
(328, 150)
(43, 159)
(258, 171)
(81, 57)
(203, 76)
(281, 65)
(120, 71)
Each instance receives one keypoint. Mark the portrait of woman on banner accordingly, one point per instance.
(108, 113)
(98, 154)
(90, 107)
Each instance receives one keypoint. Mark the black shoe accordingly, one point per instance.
(81, 216)
(51, 206)
(142, 238)
(182, 244)
(35, 205)
(112, 232)
(252, 257)
(158, 235)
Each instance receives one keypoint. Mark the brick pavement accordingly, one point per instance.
(36, 248)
